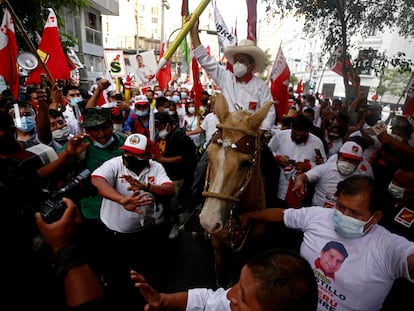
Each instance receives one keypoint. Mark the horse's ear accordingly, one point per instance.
(221, 107)
(256, 119)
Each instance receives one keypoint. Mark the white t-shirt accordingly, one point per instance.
(326, 177)
(209, 126)
(281, 144)
(191, 123)
(114, 215)
(203, 299)
(71, 120)
(365, 277)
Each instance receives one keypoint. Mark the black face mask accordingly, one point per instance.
(134, 164)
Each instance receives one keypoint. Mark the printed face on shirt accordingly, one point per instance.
(242, 296)
(331, 261)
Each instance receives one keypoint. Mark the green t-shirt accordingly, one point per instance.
(94, 157)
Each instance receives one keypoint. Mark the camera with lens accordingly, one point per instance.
(53, 207)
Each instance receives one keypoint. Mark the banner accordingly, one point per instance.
(280, 76)
(114, 61)
(51, 52)
(8, 54)
(225, 37)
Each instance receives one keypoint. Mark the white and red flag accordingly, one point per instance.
(51, 52)
(8, 54)
(164, 74)
(280, 76)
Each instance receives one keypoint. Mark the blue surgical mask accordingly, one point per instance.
(75, 100)
(183, 95)
(99, 145)
(27, 124)
(166, 109)
(396, 191)
(176, 98)
(141, 113)
(349, 227)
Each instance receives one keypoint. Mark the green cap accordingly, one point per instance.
(95, 116)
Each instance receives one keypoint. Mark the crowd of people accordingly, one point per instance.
(93, 192)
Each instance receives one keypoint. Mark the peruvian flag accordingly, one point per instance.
(280, 75)
(164, 74)
(8, 54)
(251, 19)
(51, 52)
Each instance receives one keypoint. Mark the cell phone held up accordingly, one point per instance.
(318, 153)
(43, 82)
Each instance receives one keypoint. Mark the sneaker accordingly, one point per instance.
(175, 230)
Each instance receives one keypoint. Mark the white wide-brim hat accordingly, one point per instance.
(248, 47)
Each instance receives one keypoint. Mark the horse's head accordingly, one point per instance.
(233, 167)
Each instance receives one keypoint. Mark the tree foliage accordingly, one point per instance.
(339, 20)
(33, 14)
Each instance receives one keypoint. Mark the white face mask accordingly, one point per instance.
(396, 191)
(191, 109)
(163, 134)
(99, 145)
(349, 227)
(61, 134)
(239, 69)
(345, 168)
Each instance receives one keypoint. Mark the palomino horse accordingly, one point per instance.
(234, 185)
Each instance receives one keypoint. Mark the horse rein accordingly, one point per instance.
(248, 144)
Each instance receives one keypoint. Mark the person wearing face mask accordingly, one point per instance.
(71, 110)
(90, 150)
(178, 156)
(191, 122)
(138, 120)
(399, 219)
(243, 90)
(376, 256)
(60, 130)
(294, 151)
(326, 176)
(393, 153)
(132, 186)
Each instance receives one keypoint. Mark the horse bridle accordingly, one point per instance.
(248, 144)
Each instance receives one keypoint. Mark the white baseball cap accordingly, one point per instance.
(136, 144)
(351, 150)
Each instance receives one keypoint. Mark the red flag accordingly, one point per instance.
(251, 19)
(51, 52)
(197, 87)
(279, 87)
(335, 62)
(8, 54)
(164, 74)
(299, 88)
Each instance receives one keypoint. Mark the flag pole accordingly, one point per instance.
(27, 40)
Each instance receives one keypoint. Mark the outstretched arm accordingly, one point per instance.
(267, 214)
(158, 301)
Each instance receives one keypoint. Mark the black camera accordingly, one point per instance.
(53, 208)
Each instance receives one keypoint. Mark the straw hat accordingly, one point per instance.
(248, 47)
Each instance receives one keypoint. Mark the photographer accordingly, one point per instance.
(82, 289)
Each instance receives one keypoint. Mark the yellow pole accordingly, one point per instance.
(185, 29)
